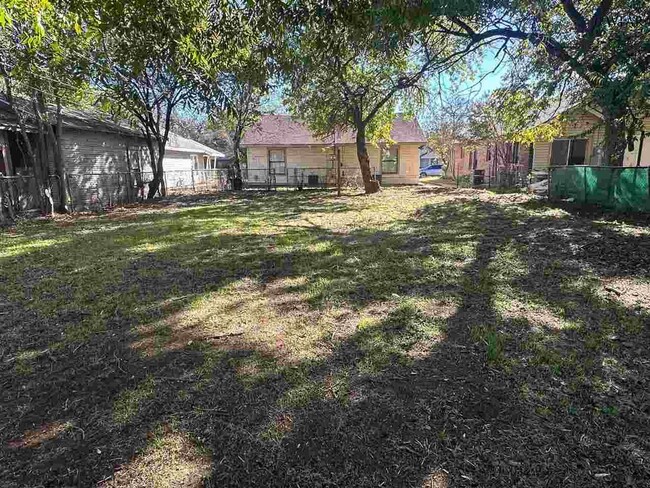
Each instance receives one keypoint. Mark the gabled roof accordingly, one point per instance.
(285, 130)
(182, 144)
(563, 107)
(75, 119)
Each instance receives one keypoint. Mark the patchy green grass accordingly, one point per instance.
(129, 402)
(290, 333)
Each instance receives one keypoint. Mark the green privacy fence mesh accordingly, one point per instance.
(624, 189)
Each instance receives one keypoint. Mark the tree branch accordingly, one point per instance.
(576, 17)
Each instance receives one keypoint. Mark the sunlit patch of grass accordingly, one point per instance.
(274, 319)
(306, 388)
(22, 245)
(541, 316)
(382, 342)
(172, 458)
(302, 394)
(254, 369)
(507, 263)
(129, 402)
(437, 479)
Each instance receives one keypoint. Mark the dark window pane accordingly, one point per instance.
(578, 151)
(559, 152)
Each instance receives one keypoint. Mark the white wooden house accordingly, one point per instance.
(284, 147)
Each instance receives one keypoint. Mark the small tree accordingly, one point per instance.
(448, 127)
(43, 63)
(241, 109)
(506, 117)
(147, 66)
(351, 66)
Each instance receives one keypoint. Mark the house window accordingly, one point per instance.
(390, 160)
(278, 161)
(195, 161)
(568, 152)
(488, 156)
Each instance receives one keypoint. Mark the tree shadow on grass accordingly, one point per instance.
(441, 381)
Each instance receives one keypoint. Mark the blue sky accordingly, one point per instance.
(486, 78)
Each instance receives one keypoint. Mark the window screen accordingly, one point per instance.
(568, 151)
(390, 160)
(578, 151)
(277, 161)
(559, 152)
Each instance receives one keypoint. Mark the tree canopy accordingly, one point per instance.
(590, 52)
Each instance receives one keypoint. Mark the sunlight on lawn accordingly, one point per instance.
(252, 318)
(170, 460)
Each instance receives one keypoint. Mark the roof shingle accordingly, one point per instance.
(284, 130)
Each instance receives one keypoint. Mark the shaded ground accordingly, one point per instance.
(422, 337)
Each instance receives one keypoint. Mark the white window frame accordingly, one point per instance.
(275, 163)
(381, 159)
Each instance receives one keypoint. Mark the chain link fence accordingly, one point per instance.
(98, 191)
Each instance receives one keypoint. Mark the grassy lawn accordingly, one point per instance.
(425, 337)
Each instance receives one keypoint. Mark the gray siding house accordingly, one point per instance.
(104, 163)
(99, 158)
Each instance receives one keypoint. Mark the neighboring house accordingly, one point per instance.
(102, 160)
(583, 134)
(186, 161)
(489, 161)
(97, 155)
(427, 156)
(283, 148)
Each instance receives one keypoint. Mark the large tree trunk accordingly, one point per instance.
(153, 162)
(237, 156)
(58, 159)
(158, 181)
(370, 184)
(615, 142)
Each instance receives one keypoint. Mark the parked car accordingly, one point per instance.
(431, 170)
